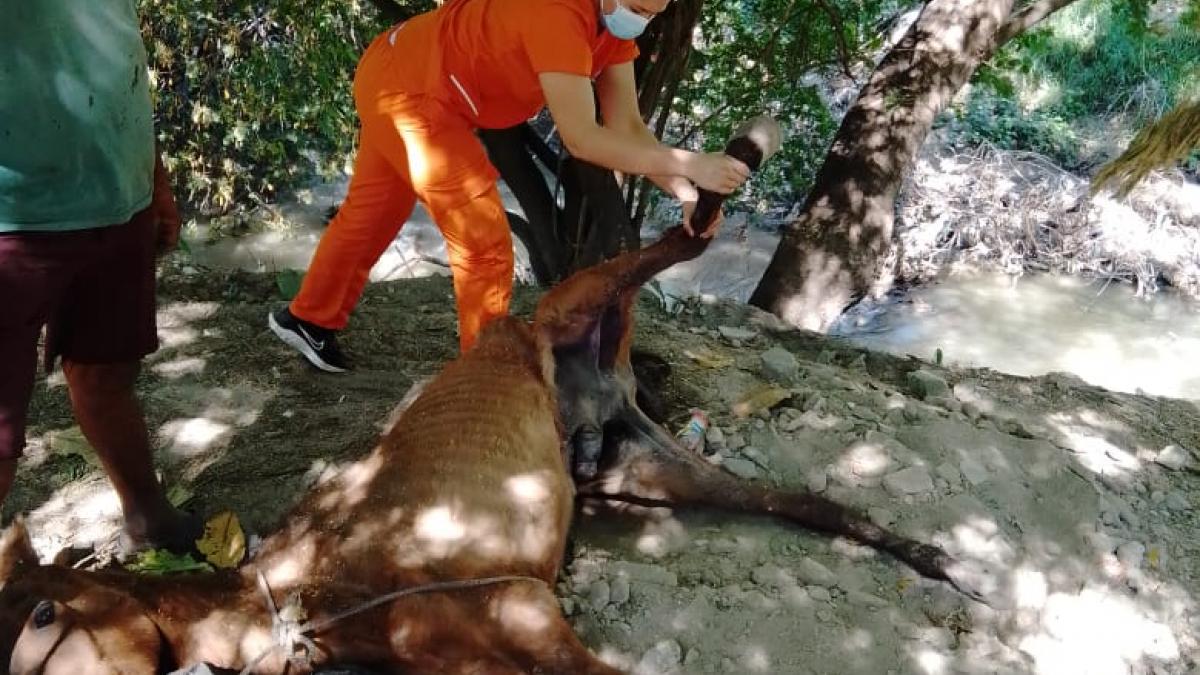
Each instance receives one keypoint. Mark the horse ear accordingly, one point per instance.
(15, 550)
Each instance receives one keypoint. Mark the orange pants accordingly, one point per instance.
(413, 146)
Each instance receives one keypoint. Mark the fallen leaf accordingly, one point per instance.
(224, 542)
(762, 398)
(179, 495)
(71, 441)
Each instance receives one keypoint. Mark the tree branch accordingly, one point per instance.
(1025, 18)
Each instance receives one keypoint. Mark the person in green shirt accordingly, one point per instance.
(85, 206)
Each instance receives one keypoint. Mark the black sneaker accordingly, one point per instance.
(318, 345)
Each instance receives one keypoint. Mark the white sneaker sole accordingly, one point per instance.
(301, 345)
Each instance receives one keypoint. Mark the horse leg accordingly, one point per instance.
(503, 629)
(645, 465)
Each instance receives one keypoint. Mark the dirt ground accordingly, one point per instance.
(1081, 502)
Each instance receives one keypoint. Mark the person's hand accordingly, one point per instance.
(717, 172)
(689, 207)
(165, 211)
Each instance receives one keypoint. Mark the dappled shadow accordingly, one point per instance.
(1024, 487)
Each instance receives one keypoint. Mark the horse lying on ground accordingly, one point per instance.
(437, 553)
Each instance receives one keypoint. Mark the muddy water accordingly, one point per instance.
(1039, 324)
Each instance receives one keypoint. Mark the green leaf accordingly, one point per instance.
(161, 561)
(288, 282)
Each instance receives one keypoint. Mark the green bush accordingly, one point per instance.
(1096, 65)
(253, 97)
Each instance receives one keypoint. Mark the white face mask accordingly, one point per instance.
(624, 23)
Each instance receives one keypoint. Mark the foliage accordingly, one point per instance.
(251, 97)
(755, 56)
(1094, 64)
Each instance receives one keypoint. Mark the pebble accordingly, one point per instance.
(599, 595)
(949, 473)
(911, 481)
(619, 591)
(824, 615)
(818, 593)
(715, 437)
(865, 599)
(1130, 554)
(736, 333)
(780, 365)
(735, 441)
(927, 385)
(814, 573)
(1177, 501)
(817, 479)
(663, 658)
(773, 576)
(881, 516)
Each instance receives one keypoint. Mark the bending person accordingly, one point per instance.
(422, 89)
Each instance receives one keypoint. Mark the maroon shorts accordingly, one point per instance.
(92, 289)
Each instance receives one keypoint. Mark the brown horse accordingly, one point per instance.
(438, 551)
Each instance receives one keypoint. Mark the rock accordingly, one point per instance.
(568, 606)
(945, 402)
(735, 441)
(661, 659)
(865, 599)
(1130, 554)
(619, 591)
(1174, 458)
(819, 593)
(824, 615)
(714, 437)
(643, 573)
(814, 573)
(949, 473)
(736, 333)
(780, 365)
(881, 516)
(973, 470)
(773, 577)
(817, 479)
(1177, 501)
(599, 595)
(911, 481)
(755, 455)
(742, 468)
(927, 385)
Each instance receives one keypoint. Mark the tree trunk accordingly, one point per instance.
(837, 250)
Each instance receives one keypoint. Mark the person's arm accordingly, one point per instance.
(616, 90)
(571, 103)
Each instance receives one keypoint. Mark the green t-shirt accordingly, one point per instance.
(76, 127)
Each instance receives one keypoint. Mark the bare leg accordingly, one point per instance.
(107, 410)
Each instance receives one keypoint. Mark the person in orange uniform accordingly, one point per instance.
(422, 89)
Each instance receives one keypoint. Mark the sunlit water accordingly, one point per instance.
(1032, 325)
(1029, 325)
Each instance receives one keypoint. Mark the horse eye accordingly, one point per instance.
(43, 614)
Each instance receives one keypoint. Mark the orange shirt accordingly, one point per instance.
(493, 50)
